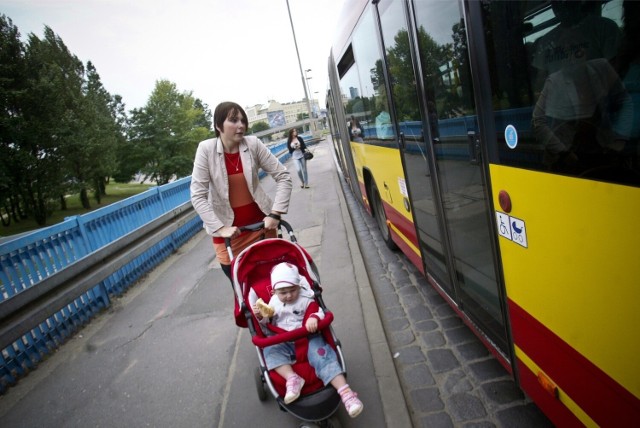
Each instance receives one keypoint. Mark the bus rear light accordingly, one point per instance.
(548, 385)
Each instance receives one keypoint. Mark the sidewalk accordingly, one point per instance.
(333, 245)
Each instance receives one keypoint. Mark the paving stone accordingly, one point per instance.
(393, 313)
(426, 399)
(489, 369)
(436, 420)
(410, 355)
(451, 321)
(397, 324)
(442, 360)
(502, 391)
(387, 300)
(524, 416)
(418, 376)
(427, 325)
(481, 424)
(473, 350)
(407, 288)
(455, 382)
(402, 338)
(443, 310)
(464, 407)
(419, 313)
(433, 339)
(459, 335)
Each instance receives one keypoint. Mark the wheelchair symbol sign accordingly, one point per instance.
(512, 228)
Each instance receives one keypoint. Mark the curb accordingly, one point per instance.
(394, 406)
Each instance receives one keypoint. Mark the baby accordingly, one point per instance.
(292, 299)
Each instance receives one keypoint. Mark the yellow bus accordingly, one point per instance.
(496, 143)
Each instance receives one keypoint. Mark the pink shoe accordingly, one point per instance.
(353, 405)
(294, 386)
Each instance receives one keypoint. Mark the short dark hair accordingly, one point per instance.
(225, 110)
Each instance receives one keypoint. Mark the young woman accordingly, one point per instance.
(226, 190)
(296, 149)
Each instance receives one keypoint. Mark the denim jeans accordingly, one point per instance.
(321, 357)
(301, 168)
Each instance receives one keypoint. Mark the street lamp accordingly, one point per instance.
(309, 89)
(304, 82)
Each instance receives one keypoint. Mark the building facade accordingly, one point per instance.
(277, 114)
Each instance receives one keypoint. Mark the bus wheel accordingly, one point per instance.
(381, 217)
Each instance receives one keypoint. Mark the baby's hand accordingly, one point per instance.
(312, 324)
(256, 311)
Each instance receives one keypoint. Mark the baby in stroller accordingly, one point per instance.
(291, 305)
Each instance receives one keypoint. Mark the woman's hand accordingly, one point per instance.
(270, 223)
(311, 325)
(228, 232)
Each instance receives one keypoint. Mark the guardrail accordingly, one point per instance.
(54, 280)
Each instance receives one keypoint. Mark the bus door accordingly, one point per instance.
(432, 94)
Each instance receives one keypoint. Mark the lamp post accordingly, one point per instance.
(304, 82)
(309, 91)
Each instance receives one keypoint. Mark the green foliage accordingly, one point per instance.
(165, 133)
(258, 126)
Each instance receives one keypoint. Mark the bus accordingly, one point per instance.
(496, 144)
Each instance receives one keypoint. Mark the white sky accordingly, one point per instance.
(221, 50)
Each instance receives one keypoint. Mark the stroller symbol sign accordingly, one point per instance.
(512, 228)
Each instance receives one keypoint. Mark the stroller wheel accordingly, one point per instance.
(262, 392)
(332, 422)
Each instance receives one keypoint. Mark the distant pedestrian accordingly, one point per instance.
(226, 190)
(296, 147)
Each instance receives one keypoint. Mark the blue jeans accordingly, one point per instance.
(301, 168)
(321, 357)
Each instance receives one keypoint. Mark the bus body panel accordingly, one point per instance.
(572, 292)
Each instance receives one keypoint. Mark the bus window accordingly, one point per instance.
(362, 84)
(565, 77)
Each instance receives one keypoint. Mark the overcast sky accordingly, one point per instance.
(237, 50)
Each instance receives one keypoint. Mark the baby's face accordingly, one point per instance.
(288, 294)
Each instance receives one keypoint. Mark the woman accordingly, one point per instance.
(296, 147)
(226, 190)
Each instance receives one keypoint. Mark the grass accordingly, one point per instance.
(115, 192)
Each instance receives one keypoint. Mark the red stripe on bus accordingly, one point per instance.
(605, 401)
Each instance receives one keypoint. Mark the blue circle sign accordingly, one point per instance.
(511, 136)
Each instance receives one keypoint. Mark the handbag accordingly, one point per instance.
(308, 155)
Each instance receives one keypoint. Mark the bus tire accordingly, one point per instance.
(381, 217)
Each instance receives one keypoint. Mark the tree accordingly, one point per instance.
(50, 106)
(165, 133)
(258, 127)
(12, 84)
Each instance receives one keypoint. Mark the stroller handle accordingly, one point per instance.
(257, 226)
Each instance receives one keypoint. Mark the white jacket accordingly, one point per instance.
(210, 182)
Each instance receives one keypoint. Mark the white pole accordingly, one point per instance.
(304, 83)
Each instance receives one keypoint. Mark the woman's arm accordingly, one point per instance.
(303, 146)
(272, 166)
(200, 182)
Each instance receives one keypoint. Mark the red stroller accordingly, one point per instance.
(250, 270)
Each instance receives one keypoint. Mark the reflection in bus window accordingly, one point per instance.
(560, 81)
(363, 88)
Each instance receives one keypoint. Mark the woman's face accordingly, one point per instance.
(232, 128)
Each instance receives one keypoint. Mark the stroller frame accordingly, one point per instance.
(319, 405)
